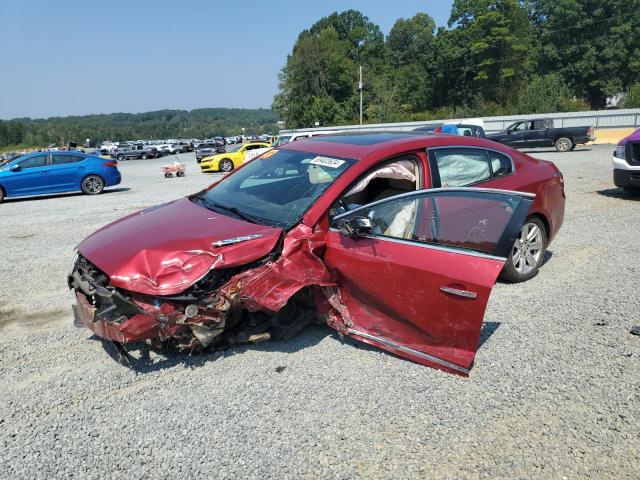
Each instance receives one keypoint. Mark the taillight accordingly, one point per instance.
(111, 164)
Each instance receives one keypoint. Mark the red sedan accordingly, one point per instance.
(393, 239)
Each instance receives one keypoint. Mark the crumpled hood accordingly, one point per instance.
(164, 250)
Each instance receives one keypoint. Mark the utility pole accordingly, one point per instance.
(360, 88)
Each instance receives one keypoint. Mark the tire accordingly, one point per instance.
(120, 157)
(92, 185)
(2, 194)
(180, 174)
(144, 156)
(564, 144)
(226, 165)
(524, 260)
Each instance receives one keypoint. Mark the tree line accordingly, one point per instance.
(494, 57)
(201, 123)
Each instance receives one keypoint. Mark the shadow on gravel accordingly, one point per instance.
(139, 358)
(618, 193)
(62, 195)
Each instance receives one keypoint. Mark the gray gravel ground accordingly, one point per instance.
(555, 390)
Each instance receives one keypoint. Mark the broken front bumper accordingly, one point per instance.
(137, 328)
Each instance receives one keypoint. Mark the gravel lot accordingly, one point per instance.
(555, 390)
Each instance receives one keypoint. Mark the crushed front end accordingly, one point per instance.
(258, 301)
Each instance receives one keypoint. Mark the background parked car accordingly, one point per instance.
(55, 172)
(136, 152)
(542, 133)
(207, 149)
(626, 163)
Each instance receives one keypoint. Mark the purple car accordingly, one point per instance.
(626, 163)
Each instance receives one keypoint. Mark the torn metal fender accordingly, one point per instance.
(270, 286)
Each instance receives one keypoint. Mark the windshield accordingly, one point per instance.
(282, 139)
(275, 189)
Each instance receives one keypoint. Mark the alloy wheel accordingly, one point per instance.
(528, 249)
(92, 185)
(564, 145)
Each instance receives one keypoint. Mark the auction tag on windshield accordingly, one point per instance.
(327, 162)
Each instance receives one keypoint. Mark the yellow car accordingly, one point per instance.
(225, 162)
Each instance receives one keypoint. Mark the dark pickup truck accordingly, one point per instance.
(541, 133)
(136, 151)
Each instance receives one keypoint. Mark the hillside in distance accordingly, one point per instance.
(198, 123)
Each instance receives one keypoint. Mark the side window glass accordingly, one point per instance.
(34, 162)
(459, 167)
(500, 164)
(465, 220)
(62, 159)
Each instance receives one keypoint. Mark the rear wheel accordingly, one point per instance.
(226, 165)
(564, 144)
(527, 253)
(92, 185)
(2, 194)
(120, 157)
(145, 156)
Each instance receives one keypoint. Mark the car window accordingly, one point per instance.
(501, 165)
(62, 158)
(460, 167)
(518, 127)
(34, 162)
(465, 220)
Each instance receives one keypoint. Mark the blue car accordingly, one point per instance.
(41, 173)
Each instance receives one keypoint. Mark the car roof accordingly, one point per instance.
(359, 145)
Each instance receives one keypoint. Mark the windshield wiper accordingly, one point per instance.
(211, 205)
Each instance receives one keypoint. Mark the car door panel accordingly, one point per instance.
(419, 297)
(28, 180)
(65, 172)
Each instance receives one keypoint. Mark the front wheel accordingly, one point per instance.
(226, 165)
(564, 144)
(144, 156)
(92, 185)
(2, 194)
(527, 253)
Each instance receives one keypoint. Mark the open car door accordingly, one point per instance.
(415, 271)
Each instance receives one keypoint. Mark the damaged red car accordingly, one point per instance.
(393, 239)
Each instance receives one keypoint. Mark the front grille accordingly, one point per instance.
(632, 153)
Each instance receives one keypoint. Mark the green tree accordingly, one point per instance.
(593, 44)
(318, 67)
(546, 94)
(632, 98)
(499, 36)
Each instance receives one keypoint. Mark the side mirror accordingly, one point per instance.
(355, 227)
(15, 168)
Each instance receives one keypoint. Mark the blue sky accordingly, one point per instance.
(73, 57)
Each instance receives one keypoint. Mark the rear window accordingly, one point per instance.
(459, 167)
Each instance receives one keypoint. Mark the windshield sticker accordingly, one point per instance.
(327, 162)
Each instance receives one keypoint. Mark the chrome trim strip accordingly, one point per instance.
(431, 246)
(231, 241)
(494, 191)
(411, 351)
(459, 293)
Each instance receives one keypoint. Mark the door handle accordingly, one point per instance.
(459, 293)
